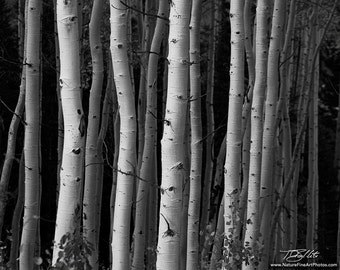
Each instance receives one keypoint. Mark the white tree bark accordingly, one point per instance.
(91, 149)
(32, 136)
(71, 174)
(148, 169)
(173, 138)
(232, 167)
(253, 218)
(269, 130)
(127, 145)
(192, 261)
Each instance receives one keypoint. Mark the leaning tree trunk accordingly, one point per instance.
(71, 174)
(172, 155)
(32, 136)
(127, 145)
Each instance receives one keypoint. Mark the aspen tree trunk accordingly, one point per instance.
(248, 44)
(232, 167)
(60, 109)
(71, 173)
(186, 192)
(216, 201)
(299, 137)
(17, 215)
(32, 136)
(173, 171)
(91, 150)
(148, 25)
(127, 145)
(312, 198)
(269, 129)
(253, 218)
(16, 118)
(148, 175)
(192, 253)
(283, 113)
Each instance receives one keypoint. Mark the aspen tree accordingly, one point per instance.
(253, 220)
(285, 85)
(126, 165)
(312, 196)
(147, 25)
(192, 253)
(173, 138)
(186, 192)
(17, 215)
(248, 45)
(71, 173)
(232, 167)
(269, 129)
(148, 181)
(217, 190)
(60, 109)
(32, 136)
(91, 149)
(299, 137)
(16, 118)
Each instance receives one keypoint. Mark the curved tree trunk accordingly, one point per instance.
(127, 145)
(71, 174)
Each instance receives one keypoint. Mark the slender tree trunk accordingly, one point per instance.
(173, 171)
(148, 170)
(32, 136)
(127, 146)
(17, 215)
(91, 150)
(192, 261)
(71, 174)
(16, 118)
(269, 130)
(253, 215)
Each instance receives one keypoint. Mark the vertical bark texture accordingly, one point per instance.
(173, 138)
(127, 144)
(32, 136)
(269, 130)
(192, 261)
(148, 169)
(232, 166)
(91, 150)
(71, 174)
(261, 52)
